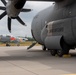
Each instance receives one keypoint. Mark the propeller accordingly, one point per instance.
(3, 14)
(32, 45)
(4, 2)
(9, 24)
(10, 19)
(2, 8)
(19, 19)
(26, 10)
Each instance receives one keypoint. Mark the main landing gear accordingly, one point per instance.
(60, 52)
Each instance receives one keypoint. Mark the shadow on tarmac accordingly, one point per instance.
(31, 55)
(43, 57)
(25, 55)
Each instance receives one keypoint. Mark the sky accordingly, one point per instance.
(17, 29)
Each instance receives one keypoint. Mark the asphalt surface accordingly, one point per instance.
(20, 61)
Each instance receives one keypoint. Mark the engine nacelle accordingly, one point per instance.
(13, 7)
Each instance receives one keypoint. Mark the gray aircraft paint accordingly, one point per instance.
(63, 18)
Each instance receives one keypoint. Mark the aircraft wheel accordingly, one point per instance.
(53, 52)
(60, 53)
(43, 48)
(65, 49)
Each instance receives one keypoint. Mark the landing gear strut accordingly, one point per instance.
(43, 48)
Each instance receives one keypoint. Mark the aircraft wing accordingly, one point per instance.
(64, 2)
(46, 0)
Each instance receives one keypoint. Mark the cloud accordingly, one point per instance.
(17, 28)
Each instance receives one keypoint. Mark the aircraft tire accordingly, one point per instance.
(60, 53)
(53, 52)
(43, 48)
(65, 50)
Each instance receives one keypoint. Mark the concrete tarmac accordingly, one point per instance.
(20, 61)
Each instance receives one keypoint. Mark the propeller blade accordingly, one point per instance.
(9, 24)
(4, 2)
(32, 45)
(3, 14)
(2, 8)
(19, 19)
(26, 10)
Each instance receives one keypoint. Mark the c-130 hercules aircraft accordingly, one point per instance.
(54, 27)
